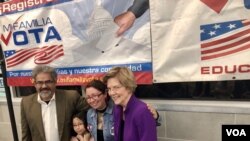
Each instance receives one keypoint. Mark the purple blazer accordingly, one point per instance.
(139, 123)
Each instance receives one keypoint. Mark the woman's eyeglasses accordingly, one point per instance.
(94, 97)
(114, 89)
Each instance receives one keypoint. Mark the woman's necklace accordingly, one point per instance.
(100, 118)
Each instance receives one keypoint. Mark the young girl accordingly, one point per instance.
(81, 132)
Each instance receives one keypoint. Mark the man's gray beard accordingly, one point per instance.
(43, 94)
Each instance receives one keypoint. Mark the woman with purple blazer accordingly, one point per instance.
(133, 121)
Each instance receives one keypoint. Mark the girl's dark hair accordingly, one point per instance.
(82, 116)
(97, 84)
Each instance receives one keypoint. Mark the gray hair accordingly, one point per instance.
(44, 69)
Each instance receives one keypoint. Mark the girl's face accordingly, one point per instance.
(95, 98)
(78, 126)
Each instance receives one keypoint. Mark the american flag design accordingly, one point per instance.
(42, 55)
(224, 39)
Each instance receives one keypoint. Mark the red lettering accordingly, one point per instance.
(244, 68)
(217, 69)
(205, 70)
(232, 71)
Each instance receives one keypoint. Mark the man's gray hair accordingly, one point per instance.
(44, 69)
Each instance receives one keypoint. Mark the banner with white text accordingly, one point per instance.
(77, 37)
(200, 40)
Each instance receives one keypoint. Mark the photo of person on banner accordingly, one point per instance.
(65, 33)
(127, 19)
(127, 14)
(106, 28)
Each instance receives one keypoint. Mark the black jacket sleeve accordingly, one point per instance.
(139, 7)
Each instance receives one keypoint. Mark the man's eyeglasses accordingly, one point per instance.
(94, 97)
(47, 82)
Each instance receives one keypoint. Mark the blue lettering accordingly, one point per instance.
(24, 37)
(36, 33)
(21, 37)
(52, 33)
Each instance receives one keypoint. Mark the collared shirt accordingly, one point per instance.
(49, 117)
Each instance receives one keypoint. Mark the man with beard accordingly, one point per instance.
(46, 115)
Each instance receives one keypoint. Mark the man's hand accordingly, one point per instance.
(153, 111)
(124, 21)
